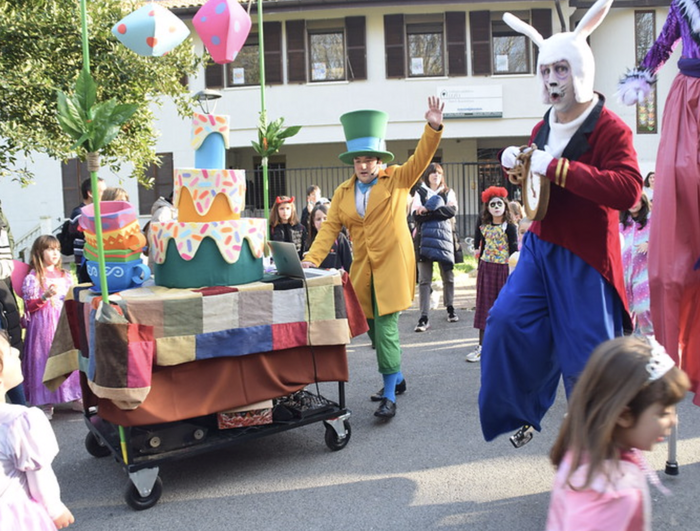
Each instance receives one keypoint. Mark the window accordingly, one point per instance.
(497, 49)
(326, 50)
(426, 48)
(326, 55)
(162, 179)
(425, 45)
(511, 50)
(245, 68)
(644, 35)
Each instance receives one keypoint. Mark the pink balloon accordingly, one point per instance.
(223, 26)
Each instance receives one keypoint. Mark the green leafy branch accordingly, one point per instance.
(271, 136)
(92, 125)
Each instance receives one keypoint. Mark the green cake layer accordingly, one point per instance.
(207, 268)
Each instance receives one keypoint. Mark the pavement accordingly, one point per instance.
(427, 469)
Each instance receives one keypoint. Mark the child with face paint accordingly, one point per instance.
(285, 225)
(496, 239)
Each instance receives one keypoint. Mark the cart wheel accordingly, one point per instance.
(139, 503)
(95, 447)
(334, 442)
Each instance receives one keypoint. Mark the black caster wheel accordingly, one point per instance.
(672, 469)
(139, 503)
(334, 442)
(95, 447)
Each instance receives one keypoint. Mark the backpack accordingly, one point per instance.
(65, 238)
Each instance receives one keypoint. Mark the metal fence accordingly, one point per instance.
(467, 179)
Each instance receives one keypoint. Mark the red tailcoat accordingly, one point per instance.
(596, 177)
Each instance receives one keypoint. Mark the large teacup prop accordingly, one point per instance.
(535, 186)
(120, 276)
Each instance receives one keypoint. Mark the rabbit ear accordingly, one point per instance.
(592, 19)
(524, 28)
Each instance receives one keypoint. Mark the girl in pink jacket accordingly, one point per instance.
(624, 402)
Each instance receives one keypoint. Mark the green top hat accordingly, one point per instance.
(364, 135)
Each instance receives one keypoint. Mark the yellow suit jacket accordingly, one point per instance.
(382, 246)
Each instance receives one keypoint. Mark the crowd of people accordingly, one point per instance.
(585, 262)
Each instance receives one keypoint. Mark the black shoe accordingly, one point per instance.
(523, 436)
(386, 410)
(451, 315)
(422, 325)
(399, 390)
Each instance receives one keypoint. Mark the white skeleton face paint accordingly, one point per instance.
(559, 83)
(497, 207)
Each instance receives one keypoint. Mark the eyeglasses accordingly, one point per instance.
(495, 204)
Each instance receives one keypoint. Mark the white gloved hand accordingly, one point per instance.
(540, 161)
(509, 156)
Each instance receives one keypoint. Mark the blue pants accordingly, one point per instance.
(552, 313)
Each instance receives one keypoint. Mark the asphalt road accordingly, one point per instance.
(428, 468)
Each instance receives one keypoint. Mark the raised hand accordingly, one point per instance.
(434, 113)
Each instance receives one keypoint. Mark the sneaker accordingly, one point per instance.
(474, 355)
(422, 325)
(451, 315)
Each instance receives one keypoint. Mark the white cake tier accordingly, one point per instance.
(228, 236)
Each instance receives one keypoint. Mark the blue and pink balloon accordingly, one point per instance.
(151, 30)
(223, 26)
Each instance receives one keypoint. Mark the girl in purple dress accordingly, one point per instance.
(634, 228)
(45, 288)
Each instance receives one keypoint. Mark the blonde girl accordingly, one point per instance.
(623, 402)
(114, 193)
(285, 225)
(30, 497)
(44, 289)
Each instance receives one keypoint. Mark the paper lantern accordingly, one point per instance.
(151, 30)
(223, 26)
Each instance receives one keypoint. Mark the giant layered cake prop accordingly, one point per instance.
(209, 244)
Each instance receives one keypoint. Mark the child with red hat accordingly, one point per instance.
(496, 239)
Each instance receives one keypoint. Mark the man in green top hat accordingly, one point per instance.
(372, 205)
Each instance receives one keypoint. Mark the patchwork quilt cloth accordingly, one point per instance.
(118, 345)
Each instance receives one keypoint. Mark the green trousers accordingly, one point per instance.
(384, 333)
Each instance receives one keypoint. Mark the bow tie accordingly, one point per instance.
(364, 187)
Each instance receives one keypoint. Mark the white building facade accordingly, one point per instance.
(327, 58)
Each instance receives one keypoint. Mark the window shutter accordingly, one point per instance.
(296, 51)
(162, 183)
(73, 172)
(273, 52)
(480, 29)
(214, 76)
(456, 25)
(356, 47)
(147, 196)
(395, 46)
(542, 22)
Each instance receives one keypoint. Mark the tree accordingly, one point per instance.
(41, 54)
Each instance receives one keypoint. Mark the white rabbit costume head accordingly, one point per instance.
(570, 46)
